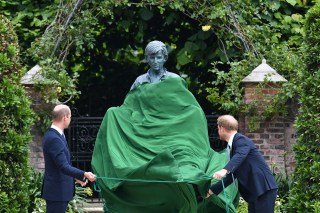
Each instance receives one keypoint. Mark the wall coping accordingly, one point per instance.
(263, 72)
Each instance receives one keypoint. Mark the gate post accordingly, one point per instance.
(39, 106)
(273, 137)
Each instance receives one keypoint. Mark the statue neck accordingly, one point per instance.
(155, 75)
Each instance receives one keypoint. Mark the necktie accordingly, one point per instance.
(228, 150)
(64, 138)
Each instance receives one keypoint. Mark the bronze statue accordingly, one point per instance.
(156, 55)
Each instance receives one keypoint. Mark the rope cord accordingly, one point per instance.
(155, 181)
(225, 197)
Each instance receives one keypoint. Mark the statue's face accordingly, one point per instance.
(156, 61)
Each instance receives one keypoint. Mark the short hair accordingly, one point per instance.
(59, 112)
(228, 122)
(155, 46)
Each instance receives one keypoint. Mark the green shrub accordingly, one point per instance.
(16, 119)
(304, 195)
(35, 188)
(243, 206)
(284, 184)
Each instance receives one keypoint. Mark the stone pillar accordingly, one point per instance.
(272, 137)
(39, 106)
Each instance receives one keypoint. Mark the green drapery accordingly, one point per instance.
(160, 134)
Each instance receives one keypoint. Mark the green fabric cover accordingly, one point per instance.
(158, 134)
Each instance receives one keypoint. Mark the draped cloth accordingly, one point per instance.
(157, 143)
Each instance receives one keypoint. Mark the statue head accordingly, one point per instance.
(154, 47)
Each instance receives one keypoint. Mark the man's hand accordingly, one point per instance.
(220, 174)
(90, 176)
(82, 183)
(209, 193)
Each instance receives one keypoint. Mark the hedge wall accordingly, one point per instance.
(304, 195)
(16, 119)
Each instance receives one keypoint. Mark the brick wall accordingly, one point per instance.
(275, 137)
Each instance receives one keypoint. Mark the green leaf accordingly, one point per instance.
(145, 14)
(183, 59)
(292, 2)
(297, 17)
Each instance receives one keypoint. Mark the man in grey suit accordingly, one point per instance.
(59, 176)
(256, 183)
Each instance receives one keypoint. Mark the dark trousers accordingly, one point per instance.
(264, 203)
(56, 206)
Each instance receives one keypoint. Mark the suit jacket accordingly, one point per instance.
(58, 182)
(249, 168)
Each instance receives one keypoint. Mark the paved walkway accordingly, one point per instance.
(95, 207)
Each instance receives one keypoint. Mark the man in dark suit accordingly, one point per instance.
(256, 183)
(59, 184)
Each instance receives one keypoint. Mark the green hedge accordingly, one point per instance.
(304, 195)
(16, 119)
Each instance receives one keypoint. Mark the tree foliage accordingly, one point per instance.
(111, 67)
(104, 40)
(16, 119)
(29, 18)
(270, 29)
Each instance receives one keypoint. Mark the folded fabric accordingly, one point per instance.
(152, 154)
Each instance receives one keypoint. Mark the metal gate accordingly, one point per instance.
(82, 132)
(81, 137)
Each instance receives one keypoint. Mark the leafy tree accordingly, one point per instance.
(103, 42)
(256, 30)
(29, 18)
(16, 119)
(111, 66)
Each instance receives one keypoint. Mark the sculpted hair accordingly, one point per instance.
(228, 122)
(57, 115)
(155, 46)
